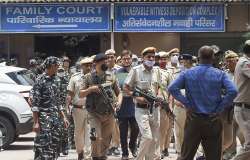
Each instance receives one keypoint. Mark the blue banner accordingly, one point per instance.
(169, 17)
(78, 17)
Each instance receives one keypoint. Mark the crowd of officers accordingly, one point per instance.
(96, 111)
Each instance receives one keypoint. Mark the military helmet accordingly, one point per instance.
(50, 61)
(32, 62)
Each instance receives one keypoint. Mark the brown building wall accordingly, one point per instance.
(238, 17)
(17, 45)
(3, 45)
(23, 46)
(136, 42)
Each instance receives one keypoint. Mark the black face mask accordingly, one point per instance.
(104, 67)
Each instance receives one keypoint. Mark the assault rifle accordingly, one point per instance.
(107, 96)
(138, 92)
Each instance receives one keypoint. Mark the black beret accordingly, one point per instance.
(100, 57)
(180, 57)
(185, 57)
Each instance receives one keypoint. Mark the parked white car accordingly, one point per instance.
(15, 111)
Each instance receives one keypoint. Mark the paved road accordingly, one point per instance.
(22, 150)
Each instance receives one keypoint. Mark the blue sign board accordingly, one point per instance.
(78, 17)
(169, 17)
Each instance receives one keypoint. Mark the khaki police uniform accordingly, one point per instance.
(103, 124)
(230, 131)
(80, 115)
(165, 80)
(242, 106)
(115, 141)
(166, 122)
(180, 118)
(227, 137)
(169, 131)
(149, 124)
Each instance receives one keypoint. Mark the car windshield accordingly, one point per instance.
(21, 77)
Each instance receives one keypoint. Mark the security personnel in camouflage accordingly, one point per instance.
(66, 65)
(46, 112)
(32, 69)
(63, 83)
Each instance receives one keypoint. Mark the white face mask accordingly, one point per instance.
(60, 74)
(149, 63)
(174, 59)
(134, 64)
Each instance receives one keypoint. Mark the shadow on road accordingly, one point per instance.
(25, 139)
(19, 147)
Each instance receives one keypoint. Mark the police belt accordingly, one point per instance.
(78, 106)
(243, 105)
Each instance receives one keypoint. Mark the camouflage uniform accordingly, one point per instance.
(64, 142)
(32, 74)
(45, 97)
(71, 127)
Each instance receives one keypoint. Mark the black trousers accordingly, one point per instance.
(124, 124)
(204, 130)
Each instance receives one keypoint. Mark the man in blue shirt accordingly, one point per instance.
(126, 113)
(204, 102)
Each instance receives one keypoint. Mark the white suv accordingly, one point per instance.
(15, 112)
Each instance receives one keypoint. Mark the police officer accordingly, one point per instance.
(113, 67)
(33, 69)
(67, 74)
(100, 104)
(172, 67)
(165, 119)
(231, 129)
(111, 59)
(179, 110)
(164, 59)
(63, 77)
(45, 107)
(231, 59)
(145, 77)
(79, 111)
(242, 101)
(66, 64)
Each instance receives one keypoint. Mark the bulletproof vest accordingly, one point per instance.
(96, 102)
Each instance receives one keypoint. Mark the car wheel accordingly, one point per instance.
(8, 132)
(16, 137)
